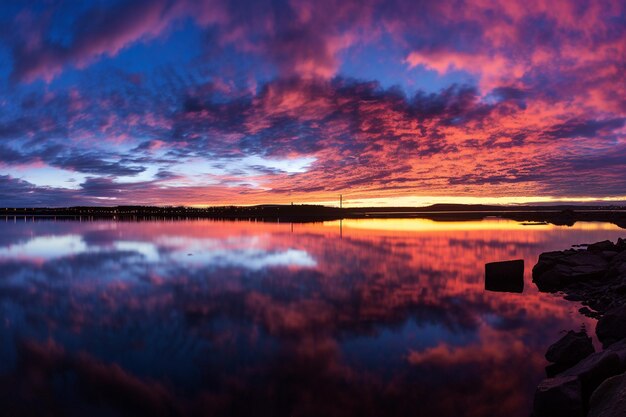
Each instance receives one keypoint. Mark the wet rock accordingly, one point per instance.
(609, 399)
(506, 276)
(570, 349)
(611, 327)
(559, 397)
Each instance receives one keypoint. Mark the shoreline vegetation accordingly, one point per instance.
(527, 214)
(581, 382)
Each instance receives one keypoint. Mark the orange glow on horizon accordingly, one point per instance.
(417, 201)
(427, 225)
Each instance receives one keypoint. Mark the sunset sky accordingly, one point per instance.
(398, 102)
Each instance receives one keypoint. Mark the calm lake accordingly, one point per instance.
(359, 317)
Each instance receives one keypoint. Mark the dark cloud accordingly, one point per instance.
(18, 193)
(514, 94)
(11, 156)
(94, 164)
(585, 128)
(302, 125)
(56, 156)
(108, 187)
(481, 178)
(15, 128)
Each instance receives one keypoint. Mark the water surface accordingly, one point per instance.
(359, 317)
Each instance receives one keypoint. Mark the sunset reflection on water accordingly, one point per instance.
(358, 317)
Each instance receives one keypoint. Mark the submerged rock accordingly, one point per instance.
(570, 349)
(506, 276)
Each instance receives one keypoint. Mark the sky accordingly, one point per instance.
(395, 102)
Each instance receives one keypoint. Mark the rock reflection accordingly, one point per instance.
(190, 318)
(505, 276)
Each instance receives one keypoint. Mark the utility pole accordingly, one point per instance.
(340, 201)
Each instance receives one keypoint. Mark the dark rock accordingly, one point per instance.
(574, 297)
(620, 349)
(619, 258)
(608, 254)
(547, 260)
(576, 384)
(586, 311)
(602, 246)
(619, 288)
(559, 397)
(593, 370)
(584, 258)
(556, 270)
(611, 327)
(570, 349)
(601, 304)
(506, 276)
(596, 277)
(553, 369)
(553, 279)
(609, 399)
(617, 266)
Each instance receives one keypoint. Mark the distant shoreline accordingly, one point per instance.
(558, 215)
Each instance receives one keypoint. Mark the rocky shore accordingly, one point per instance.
(580, 381)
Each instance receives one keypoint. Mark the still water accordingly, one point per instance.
(361, 317)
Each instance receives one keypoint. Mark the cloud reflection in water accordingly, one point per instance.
(190, 317)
